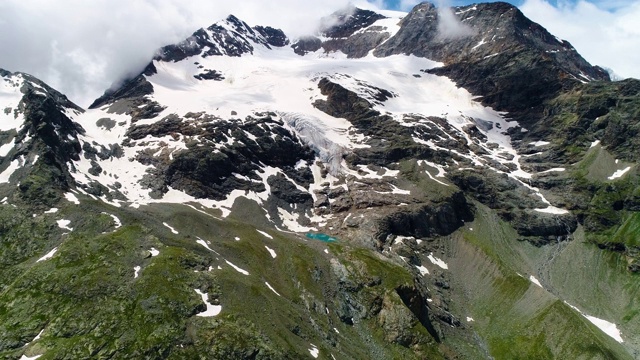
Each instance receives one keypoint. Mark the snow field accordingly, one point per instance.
(280, 81)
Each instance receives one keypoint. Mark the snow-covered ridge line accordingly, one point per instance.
(278, 81)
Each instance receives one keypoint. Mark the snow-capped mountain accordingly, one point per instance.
(404, 139)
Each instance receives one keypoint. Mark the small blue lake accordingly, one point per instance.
(321, 237)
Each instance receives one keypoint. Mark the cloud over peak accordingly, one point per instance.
(82, 47)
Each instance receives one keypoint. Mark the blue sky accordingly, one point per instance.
(396, 4)
(609, 5)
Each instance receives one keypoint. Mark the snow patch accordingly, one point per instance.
(264, 234)
(170, 228)
(314, 351)
(480, 43)
(619, 173)
(607, 327)
(154, 252)
(539, 143)
(434, 260)
(212, 310)
(271, 251)
(271, 288)
(423, 270)
(13, 166)
(136, 271)
(35, 338)
(470, 319)
(241, 271)
(51, 211)
(552, 210)
(64, 224)
(4, 149)
(25, 357)
(49, 255)
(116, 221)
(204, 243)
(535, 281)
(553, 170)
(290, 221)
(72, 198)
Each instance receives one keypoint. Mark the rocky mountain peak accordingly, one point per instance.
(479, 32)
(494, 51)
(37, 137)
(229, 37)
(353, 31)
(345, 23)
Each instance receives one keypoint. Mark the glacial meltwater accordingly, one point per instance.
(321, 237)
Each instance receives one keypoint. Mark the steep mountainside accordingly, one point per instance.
(453, 183)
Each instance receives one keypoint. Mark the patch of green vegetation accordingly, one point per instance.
(631, 315)
(544, 337)
(629, 232)
(42, 186)
(521, 347)
(517, 319)
(391, 275)
(22, 236)
(493, 236)
(607, 111)
(425, 348)
(608, 218)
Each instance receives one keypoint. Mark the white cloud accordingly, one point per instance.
(81, 47)
(605, 33)
(448, 24)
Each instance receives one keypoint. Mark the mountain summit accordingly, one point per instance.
(444, 183)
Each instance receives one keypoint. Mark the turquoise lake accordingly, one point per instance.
(321, 237)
